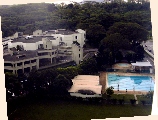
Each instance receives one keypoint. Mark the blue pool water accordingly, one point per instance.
(123, 64)
(138, 83)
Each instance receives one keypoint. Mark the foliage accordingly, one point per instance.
(94, 18)
(109, 91)
(110, 46)
(12, 83)
(88, 67)
(130, 31)
(133, 101)
(61, 84)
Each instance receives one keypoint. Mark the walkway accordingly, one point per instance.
(136, 98)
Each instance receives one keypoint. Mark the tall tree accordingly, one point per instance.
(130, 31)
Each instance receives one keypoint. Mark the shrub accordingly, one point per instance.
(133, 101)
(143, 102)
(121, 101)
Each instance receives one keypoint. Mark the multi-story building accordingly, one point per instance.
(43, 48)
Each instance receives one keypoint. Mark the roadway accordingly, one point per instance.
(148, 45)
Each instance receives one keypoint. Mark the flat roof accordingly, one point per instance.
(86, 82)
(141, 64)
(63, 32)
(32, 40)
(28, 54)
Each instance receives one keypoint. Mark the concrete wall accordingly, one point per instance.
(37, 33)
(30, 46)
(11, 45)
(77, 53)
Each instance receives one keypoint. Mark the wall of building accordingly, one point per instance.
(77, 53)
(68, 39)
(11, 45)
(37, 33)
(30, 46)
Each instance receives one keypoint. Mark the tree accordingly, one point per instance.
(130, 31)
(89, 67)
(111, 45)
(12, 83)
(95, 33)
(61, 84)
(109, 91)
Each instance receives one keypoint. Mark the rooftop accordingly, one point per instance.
(32, 40)
(28, 54)
(86, 82)
(141, 64)
(61, 31)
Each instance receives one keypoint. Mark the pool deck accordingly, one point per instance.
(103, 81)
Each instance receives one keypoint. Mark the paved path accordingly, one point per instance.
(136, 98)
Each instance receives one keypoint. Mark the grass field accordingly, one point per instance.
(70, 110)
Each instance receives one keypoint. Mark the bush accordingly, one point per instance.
(114, 101)
(121, 101)
(133, 101)
(143, 102)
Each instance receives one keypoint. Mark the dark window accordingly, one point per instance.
(19, 64)
(32, 61)
(79, 49)
(27, 62)
(8, 64)
(79, 55)
(76, 37)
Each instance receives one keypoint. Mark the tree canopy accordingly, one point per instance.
(94, 18)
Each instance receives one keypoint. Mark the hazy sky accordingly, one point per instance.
(8, 2)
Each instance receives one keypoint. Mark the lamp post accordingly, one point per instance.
(133, 88)
(118, 86)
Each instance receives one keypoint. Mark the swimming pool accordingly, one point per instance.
(123, 64)
(137, 83)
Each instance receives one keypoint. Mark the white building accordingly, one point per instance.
(44, 46)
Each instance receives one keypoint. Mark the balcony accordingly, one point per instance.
(8, 67)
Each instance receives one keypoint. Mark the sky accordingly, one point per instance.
(8, 2)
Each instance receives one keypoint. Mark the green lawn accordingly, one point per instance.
(68, 110)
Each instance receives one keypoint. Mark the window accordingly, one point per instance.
(79, 55)
(79, 49)
(19, 64)
(76, 37)
(46, 46)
